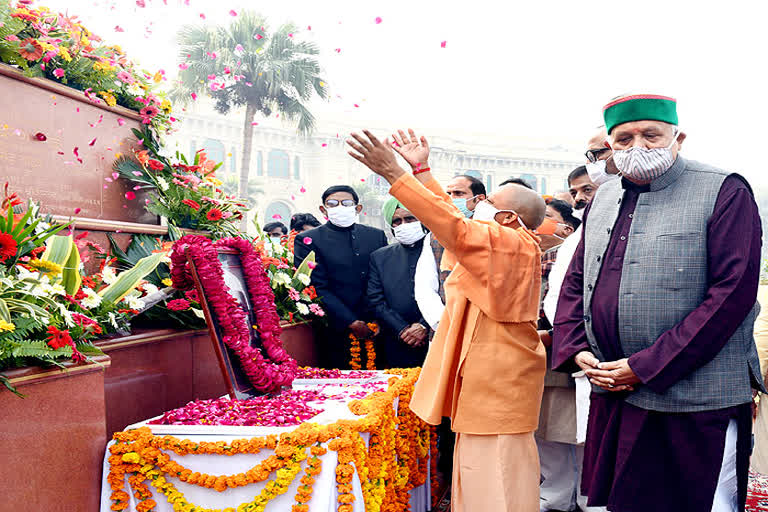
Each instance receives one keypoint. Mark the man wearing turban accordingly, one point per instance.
(390, 289)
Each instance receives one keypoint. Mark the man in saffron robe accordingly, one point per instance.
(485, 367)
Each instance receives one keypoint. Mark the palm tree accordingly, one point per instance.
(243, 64)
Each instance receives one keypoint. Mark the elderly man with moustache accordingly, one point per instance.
(485, 367)
(658, 309)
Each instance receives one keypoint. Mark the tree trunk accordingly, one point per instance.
(245, 165)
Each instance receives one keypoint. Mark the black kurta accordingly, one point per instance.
(340, 279)
(392, 301)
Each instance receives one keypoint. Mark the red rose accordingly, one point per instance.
(155, 165)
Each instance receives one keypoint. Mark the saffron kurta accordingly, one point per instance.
(485, 366)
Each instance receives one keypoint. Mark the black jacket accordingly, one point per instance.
(392, 302)
(341, 274)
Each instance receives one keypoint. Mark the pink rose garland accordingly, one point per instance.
(266, 374)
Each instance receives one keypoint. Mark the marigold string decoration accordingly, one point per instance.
(392, 464)
(370, 353)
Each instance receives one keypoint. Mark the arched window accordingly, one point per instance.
(277, 211)
(259, 164)
(488, 183)
(543, 189)
(214, 150)
(278, 164)
(296, 172)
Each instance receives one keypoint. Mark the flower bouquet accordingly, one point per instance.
(296, 300)
(60, 48)
(49, 310)
(186, 192)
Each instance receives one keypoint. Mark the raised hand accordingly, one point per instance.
(376, 155)
(415, 151)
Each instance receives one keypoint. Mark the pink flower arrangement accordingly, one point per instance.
(268, 369)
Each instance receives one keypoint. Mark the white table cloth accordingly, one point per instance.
(324, 495)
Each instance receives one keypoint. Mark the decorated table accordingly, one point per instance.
(345, 442)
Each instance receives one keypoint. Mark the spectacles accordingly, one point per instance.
(593, 155)
(333, 203)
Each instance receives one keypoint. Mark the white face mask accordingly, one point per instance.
(597, 173)
(486, 211)
(342, 216)
(642, 165)
(409, 233)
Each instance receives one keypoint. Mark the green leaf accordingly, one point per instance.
(7, 383)
(70, 274)
(4, 312)
(130, 279)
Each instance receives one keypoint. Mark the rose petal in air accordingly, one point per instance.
(130, 195)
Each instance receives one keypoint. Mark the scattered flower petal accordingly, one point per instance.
(120, 121)
(442, 44)
(92, 142)
(233, 13)
(41, 136)
(378, 19)
(118, 28)
(130, 195)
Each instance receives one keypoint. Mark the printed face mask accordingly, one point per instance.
(642, 165)
(342, 216)
(409, 233)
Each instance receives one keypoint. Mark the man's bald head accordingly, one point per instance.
(525, 202)
(598, 140)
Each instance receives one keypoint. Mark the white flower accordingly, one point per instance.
(135, 90)
(150, 289)
(134, 302)
(108, 275)
(165, 259)
(198, 313)
(302, 308)
(282, 278)
(67, 317)
(303, 279)
(55, 289)
(163, 183)
(113, 320)
(91, 300)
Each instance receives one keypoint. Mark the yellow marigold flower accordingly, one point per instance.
(131, 457)
(158, 77)
(166, 106)
(214, 181)
(6, 326)
(47, 46)
(109, 98)
(46, 267)
(167, 281)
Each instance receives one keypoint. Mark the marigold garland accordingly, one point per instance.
(393, 463)
(370, 352)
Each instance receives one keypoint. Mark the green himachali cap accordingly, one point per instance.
(640, 107)
(388, 209)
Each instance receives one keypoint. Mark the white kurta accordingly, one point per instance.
(427, 285)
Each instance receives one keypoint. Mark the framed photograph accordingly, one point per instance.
(238, 385)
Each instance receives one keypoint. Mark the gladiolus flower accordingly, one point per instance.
(192, 204)
(155, 165)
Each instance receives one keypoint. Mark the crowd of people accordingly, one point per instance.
(591, 350)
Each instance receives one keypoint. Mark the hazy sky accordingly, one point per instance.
(534, 68)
